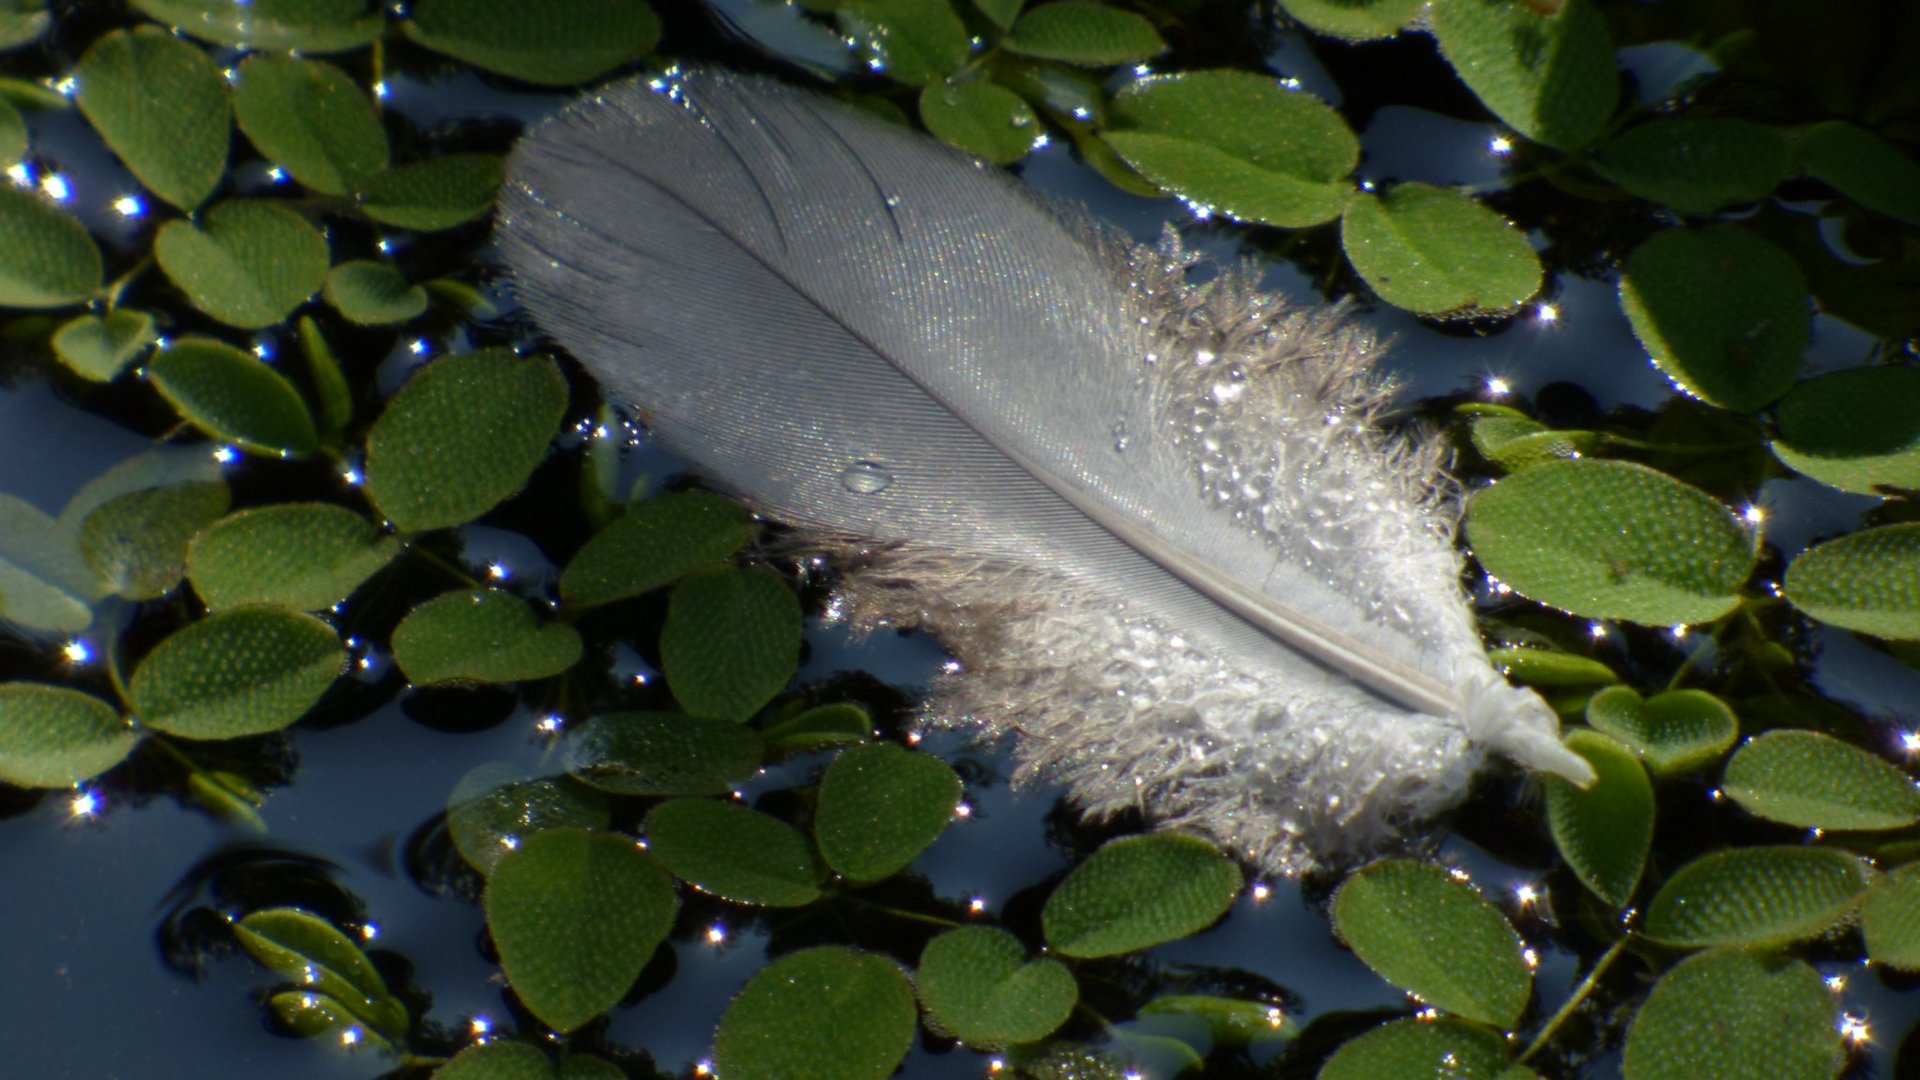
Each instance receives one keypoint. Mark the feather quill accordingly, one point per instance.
(1158, 525)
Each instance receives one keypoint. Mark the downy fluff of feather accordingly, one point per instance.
(1156, 524)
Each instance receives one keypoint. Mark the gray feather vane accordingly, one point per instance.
(1155, 523)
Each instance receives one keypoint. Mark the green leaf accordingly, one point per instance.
(981, 118)
(1863, 167)
(435, 194)
(497, 1059)
(13, 134)
(373, 293)
(1697, 165)
(229, 797)
(307, 556)
(233, 396)
(553, 43)
(1516, 442)
(833, 724)
(576, 915)
(312, 119)
(654, 543)
(99, 349)
(334, 398)
(1867, 581)
(1085, 33)
(1816, 781)
(1674, 732)
(136, 543)
(731, 640)
(1857, 430)
(1437, 252)
(1890, 919)
(315, 954)
(491, 811)
(826, 1013)
(317, 26)
(245, 671)
(879, 808)
(1722, 312)
(310, 1014)
(912, 41)
(1413, 1047)
(1001, 12)
(1392, 912)
(464, 434)
(642, 753)
(1237, 143)
(162, 105)
(1548, 74)
(484, 636)
(44, 583)
(976, 981)
(1354, 20)
(22, 21)
(54, 737)
(249, 264)
(47, 260)
(734, 852)
(1757, 896)
(1604, 831)
(1611, 540)
(1550, 667)
(1137, 892)
(1733, 1015)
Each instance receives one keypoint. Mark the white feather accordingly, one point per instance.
(1158, 525)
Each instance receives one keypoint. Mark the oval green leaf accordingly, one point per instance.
(639, 753)
(99, 349)
(977, 983)
(654, 543)
(162, 105)
(1550, 667)
(1237, 143)
(486, 636)
(497, 1059)
(314, 953)
(1722, 312)
(880, 806)
(435, 194)
(1697, 164)
(306, 556)
(1547, 70)
(981, 118)
(311, 1014)
(1606, 830)
(1890, 919)
(312, 119)
(1863, 167)
(54, 737)
(249, 264)
(136, 543)
(911, 41)
(47, 259)
(373, 293)
(1354, 20)
(233, 396)
(333, 398)
(731, 640)
(1438, 252)
(464, 433)
(317, 26)
(1857, 430)
(1412, 1047)
(1084, 33)
(1673, 732)
(822, 726)
(827, 1013)
(1867, 581)
(1816, 781)
(1137, 892)
(246, 671)
(492, 811)
(734, 852)
(576, 915)
(1611, 540)
(1516, 442)
(1757, 896)
(1229, 1021)
(1745, 1015)
(44, 583)
(553, 43)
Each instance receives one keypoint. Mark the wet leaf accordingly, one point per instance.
(233, 396)
(734, 852)
(373, 293)
(1237, 143)
(820, 727)
(464, 434)
(307, 556)
(438, 193)
(818, 1013)
(911, 41)
(1436, 251)
(1550, 667)
(310, 1014)
(315, 954)
(162, 105)
(641, 753)
(249, 263)
(1867, 581)
(731, 641)
(47, 260)
(312, 119)
(981, 118)
(1002, 12)
(576, 915)
(1611, 540)
(1697, 164)
(44, 583)
(482, 636)
(1752, 1016)
(316, 26)
(136, 543)
(977, 982)
(1674, 732)
(879, 808)
(1354, 20)
(1548, 72)
(1083, 32)
(229, 797)
(1757, 896)
(1516, 442)
(99, 349)
(1722, 312)
(553, 43)
(1137, 892)
(333, 398)
(13, 133)
(1229, 1021)
(1857, 430)
(653, 544)
(1393, 912)
(1604, 831)
(497, 1059)
(1418, 1048)
(1890, 919)
(492, 811)
(55, 737)
(1816, 781)
(1863, 167)
(245, 671)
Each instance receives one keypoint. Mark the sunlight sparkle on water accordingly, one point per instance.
(963, 811)
(77, 651)
(1910, 742)
(21, 174)
(67, 87)
(1753, 515)
(1525, 894)
(1497, 386)
(548, 724)
(498, 571)
(84, 804)
(277, 174)
(1499, 144)
(418, 346)
(717, 933)
(226, 455)
(1596, 630)
(1836, 983)
(1261, 891)
(55, 187)
(479, 1026)
(1547, 313)
(129, 206)
(703, 1068)
(350, 1037)
(977, 905)
(370, 931)
(1855, 1029)
(352, 476)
